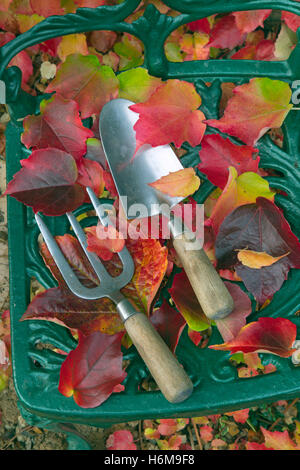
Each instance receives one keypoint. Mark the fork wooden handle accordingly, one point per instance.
(209, 288)
(169, 375)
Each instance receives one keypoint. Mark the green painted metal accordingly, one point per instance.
(217, 387)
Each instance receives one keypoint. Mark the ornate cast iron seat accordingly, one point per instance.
(217, 387)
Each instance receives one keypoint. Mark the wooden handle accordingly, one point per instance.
(163, 365)
(209, 288)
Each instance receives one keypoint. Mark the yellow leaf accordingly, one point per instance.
(256, 259)
(72, 44)
(181, 183)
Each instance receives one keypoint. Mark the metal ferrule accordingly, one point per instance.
(126, 309)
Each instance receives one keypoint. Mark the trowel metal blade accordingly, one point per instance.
(132, 175)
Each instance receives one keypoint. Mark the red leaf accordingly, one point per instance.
(21, 60)
(248, 21)
(47, 8)
(231, 325)
(59, 124)
(170, 115)
(291, 19)
(47, 182)
(104, 241)
(90, 174)
(120, 440)
(81, 78)
(217, 154)
(255, 108)
(92, 370)
(169, 323)
(264, 50)
(225, 34)
(202, 26)
(271, 335)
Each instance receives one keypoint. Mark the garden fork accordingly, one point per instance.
(162, 364)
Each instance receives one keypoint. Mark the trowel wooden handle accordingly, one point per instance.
(169, 375)
(209, 288)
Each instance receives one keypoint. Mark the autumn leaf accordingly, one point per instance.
(201, 26)
(47, 182)
(90, 174)
(239, 190)
(58, 123)
(81, 78)
(269, 335)
(104, 241)
(225, 34)
(259, 227)
(256, 260)
(255, 107)
(92, 370)
(248, 21)
(181, 183)
(72, 44)
(264, 50)
(120, 440)
(291, 20)
(187, 303)
(47, 8)
(21, 60)
(217, 154)
(230, 326)
(137, 85)
(278, 440)
(170, 115)
(169, 323)
(5, 5)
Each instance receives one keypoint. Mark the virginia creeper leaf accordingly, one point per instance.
(170, 115)
(255, 108)
(90, 173)
(231, 325)
(256, 259)
(202, 26)
(59, 124)
(137, 85)
(181, 183)
(260, 227)
(272, 335)
(187, 303)
(248, 21)
(278, 440)
(240, 190)
(120, 440)
(92, 370)
(291, 19)
(217, 154)
(47, 182)
(169, 323)
(104, 241)
(47, 8)
(21, 60)
(72, 44)
(82, 79)
(225, 34)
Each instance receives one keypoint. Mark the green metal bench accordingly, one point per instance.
(217, 386)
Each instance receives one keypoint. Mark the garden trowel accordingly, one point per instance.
(132, 174)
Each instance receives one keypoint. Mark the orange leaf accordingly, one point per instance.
(181, 183)
(256, 259)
